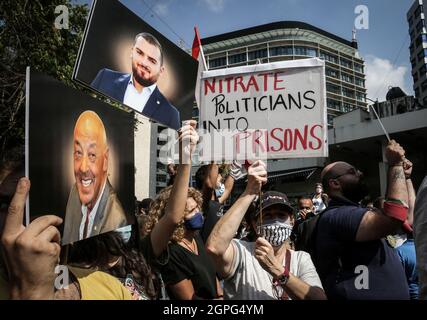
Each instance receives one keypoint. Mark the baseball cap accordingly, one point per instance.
(270, 198)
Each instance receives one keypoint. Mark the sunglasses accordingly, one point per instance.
(352, 171)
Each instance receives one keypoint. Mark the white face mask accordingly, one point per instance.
(275, 231)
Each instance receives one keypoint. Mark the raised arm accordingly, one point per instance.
(228, 184)
(407, 167)
(219, 245)
(174, 211)
(376, 224)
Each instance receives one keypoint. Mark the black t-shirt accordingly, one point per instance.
(184, 264)
(338, 257)
(212, 216)
(146, 248)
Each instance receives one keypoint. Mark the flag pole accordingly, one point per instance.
(378, 118)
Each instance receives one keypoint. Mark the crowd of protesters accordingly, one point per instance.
(187, 244)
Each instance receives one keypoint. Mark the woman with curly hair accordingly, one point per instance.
(189, 273)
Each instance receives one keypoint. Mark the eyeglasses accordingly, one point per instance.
(352, 171)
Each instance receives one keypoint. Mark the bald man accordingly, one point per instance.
(93, 207)
(353, 259)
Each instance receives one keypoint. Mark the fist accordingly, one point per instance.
(407, 168)
(188, 138)
(394, 153)
(257, 177)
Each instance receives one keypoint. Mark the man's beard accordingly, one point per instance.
(143, 82)
(355, 192)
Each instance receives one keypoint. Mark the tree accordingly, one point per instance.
(28, 37)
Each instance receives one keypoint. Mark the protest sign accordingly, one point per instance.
(125, 59)
(274, 111)
(79, 158)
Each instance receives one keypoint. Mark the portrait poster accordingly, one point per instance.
(125, 59)
(79, 159)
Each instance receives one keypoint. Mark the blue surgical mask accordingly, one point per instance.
(195, 222)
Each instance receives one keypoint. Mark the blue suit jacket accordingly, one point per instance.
(158, 108)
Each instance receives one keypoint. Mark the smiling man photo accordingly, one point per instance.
(139, 90)
(93, 206)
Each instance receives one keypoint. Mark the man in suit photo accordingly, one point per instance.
(139, 90)
(93, 206)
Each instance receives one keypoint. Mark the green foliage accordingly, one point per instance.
(28, 37)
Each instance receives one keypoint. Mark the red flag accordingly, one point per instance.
(197, 53)
(197, 44)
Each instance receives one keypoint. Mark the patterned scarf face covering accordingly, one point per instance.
(275, 231)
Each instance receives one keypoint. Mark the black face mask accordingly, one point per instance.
(355, 192)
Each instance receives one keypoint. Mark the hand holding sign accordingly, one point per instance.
(394, 153)
(188, 138)
(257, 177)
(31, 252)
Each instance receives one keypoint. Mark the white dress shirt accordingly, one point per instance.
(92, 215)
(137, 100)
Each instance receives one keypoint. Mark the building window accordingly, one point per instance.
(333, 104)
(358, 67)
(413, 63)
(257, 54)
(331, 72)
(424, 86)
(415, 76)
(422, 54)
(418, 11)
(359, 82)
(417, 92)
(346, 107)
(360, 97)
(328, 57)
(410, 21)
(161, 178)
(420, 25)
(346, 63)
(281, 51)
(333, 88)
(236, 58)
(347, 78)
(347, 92)
(422, 71)
(305, 51)
(217, 62)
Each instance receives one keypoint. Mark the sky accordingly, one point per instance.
(384, 45)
